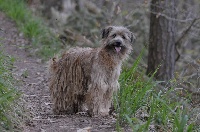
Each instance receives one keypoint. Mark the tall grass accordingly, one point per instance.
(10, 110)
(143, 108)
(32, 27)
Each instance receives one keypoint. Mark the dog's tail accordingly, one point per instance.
(52, 65)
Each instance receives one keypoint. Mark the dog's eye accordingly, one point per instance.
(123, 37)
(114, 35)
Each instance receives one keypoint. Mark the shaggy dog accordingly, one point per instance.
(84, 79)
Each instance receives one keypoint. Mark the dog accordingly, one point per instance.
(84, 79)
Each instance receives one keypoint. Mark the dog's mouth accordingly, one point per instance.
(117, 46)
(118, 49)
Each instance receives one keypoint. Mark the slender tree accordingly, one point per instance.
(162, 39)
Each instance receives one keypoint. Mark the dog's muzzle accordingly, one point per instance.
(117, 45)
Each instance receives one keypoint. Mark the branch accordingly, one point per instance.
(183, 36)
(186, 31)
(170, 18)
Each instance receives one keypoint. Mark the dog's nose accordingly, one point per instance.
(118, 43)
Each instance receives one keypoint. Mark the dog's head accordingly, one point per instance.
(117, 40)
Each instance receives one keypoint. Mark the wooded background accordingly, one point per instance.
(167, 29)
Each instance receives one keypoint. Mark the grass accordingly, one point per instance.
(10, 110)
(139, 105)
(43, 40)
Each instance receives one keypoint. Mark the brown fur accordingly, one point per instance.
(84, 79)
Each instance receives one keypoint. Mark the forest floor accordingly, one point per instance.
(31, 72)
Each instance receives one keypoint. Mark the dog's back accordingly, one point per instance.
(68, 79)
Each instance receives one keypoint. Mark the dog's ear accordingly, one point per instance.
(132, 37)
(106, 31)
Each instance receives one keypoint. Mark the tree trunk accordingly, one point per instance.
(162, 39)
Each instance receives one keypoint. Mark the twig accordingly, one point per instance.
(186, 31)
(183, 36)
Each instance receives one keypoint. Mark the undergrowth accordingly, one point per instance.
(42, 39)
(10, 110)
(138, 104)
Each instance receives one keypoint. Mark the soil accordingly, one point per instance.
(32, 73)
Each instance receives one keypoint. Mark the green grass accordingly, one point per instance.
(10, 110)
(43, 40)
(138, 104)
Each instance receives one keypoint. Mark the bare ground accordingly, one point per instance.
(32, 74)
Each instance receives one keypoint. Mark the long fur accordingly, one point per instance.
(84, 79)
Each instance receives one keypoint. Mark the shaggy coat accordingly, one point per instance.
(84, 79)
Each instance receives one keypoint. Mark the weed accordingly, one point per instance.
(10, 110)
(25, 73)
(32, 29)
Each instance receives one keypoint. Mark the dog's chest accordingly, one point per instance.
(105, 74)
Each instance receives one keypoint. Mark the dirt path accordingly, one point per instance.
(32, 73)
